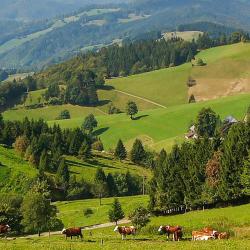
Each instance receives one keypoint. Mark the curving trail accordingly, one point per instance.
(86, 228)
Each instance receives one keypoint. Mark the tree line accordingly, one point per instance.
(46, 149)
(214, 169)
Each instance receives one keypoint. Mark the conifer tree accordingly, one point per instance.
(120, 151)
(85, 150)
(44, 161)
(116, 213)
(63, 173)
(137, 153)
(245, 176)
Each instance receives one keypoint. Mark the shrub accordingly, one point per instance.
(88, 212)
(97, 145)
(200, 62)
(64, 115)
(55, 101)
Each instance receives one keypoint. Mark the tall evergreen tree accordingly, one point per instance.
(120, 151)
(89, 123)
(63, 173)
(116, 213)
(137, 153)
(85, 150)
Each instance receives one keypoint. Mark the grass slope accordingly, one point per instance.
(160, 127)
(87, 169)
(166, 86)
(71, 213)
(234, 219)
(15, 172)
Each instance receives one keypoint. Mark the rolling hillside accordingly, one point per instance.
(232, 219)
(16, 173)
(161, 127)
(162, 98)
(62, 38)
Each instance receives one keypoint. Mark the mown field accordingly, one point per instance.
(71, 212)
(235, 220)
(160, 127)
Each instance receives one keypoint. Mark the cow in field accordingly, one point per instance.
(200, 235)
(4, 228)
(168, 230)
(72, 232)
(223, 235)
(124, 231)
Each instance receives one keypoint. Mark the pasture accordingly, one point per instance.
(87, 169)
(185, 35)
(165, 86)
(159, 128)
(71, 212)
(236, 220)
(15, 172)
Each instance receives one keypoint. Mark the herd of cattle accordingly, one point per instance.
(206, 233)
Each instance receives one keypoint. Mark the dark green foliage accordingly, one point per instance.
(207, 122)
(131, 109)
(44, 162)
(89, 123)
(112, 188)
(53, 91)
(10, 211)
(3, 75)
(137, 153)
(245, 176)
(235, 151)
(116, 213)
(30, 83)
(120, 151)
(97, 145)
(140, 217)
(64, 115)
(87, 212)
(85, 150)
(62, 174)
(191, 99)
(36, 212)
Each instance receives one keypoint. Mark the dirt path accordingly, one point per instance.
(86, 228)
(138, 97)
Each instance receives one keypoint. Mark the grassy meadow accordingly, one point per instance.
(235, 220)
(165, 86)
(160, 127)
(71, 212)
(15, 172)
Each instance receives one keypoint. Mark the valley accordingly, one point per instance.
(124, 124)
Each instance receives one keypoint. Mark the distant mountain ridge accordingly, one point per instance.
(98, 29)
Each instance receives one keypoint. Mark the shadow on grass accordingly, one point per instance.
(100, 131)
(139, 117)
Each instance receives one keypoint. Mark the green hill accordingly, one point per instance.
(232, 219)
(16, 173)
(160, 127)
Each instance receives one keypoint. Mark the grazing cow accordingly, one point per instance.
(168, 230)
(211, 232)
(70, 232)
(124, 231)
(4, 228)
(223, 235)
(200, 235)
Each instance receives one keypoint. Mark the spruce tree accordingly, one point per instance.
(112, 188)
(245, 176)
(116, 213)
(120, 151)
(137, 154)
(63, 173)
(44, 161)
(85, 150)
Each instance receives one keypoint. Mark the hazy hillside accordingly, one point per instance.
(59, 39)
(34, 10)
